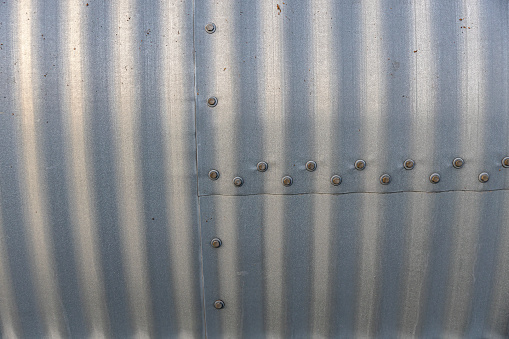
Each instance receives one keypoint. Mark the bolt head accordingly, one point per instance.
(210, 28)
(219, 304)
(434, 178)
(505, 162)
(216, 242)
(311, 166)
(409, 164)
(262, 166)
(238, 181)
(287, 180)
(458, 163)
(212, 102)
(484, 177)
(360, 165)
(214, 174)
(385, 179)
(335, 180)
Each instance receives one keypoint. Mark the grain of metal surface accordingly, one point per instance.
(334, 82)
(99, 214)
(107, 210)
(411, 264)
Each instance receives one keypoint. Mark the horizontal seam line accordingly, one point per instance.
(345, 193)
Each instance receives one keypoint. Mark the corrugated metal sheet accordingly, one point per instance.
(107, 211)
(357, 265)
(99, 214)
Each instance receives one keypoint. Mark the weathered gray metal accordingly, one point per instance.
(322, 125)
(99, 212)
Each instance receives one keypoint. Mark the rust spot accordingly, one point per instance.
(224, 69)
(87, 4)
(461, 19)
(415, 51)
(278, 8)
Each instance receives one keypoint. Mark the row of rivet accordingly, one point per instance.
(216, 243)
(214, 175)
(385, 179)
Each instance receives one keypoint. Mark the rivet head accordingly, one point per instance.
(219, 304)
(360, 165)
(484, 177)
(214, 174)
(287, 180)
(216, 242)
(434, 178)
(385, 179)
(409, 164)
(505, 162)
(212, 102)
(238, 181)
(210, 28)
(311, 166)
(335, 180)
(458, 163)
(262, 166)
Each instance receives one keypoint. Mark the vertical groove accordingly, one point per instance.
(9, 317)
(126, 112)
(33, 186)
(78, 167)
(467, 221)
(371, 110)
(196, 167)
(274, 140)
(178, 130)
(418, 235)
(323, 107)
(224, 86)
(419, 223)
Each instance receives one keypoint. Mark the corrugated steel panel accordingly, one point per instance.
(107, 210)
(99, 218)
(335, 82)
(338, 81)
(409, 264)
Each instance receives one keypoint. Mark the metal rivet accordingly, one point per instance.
(210, 28)
(360, 165)
(335, 180)
(505, 162)
(385, 179)
(458, 163)
(484, 177)
(434, 178)
(262, 166)
(212, 102)
(238, 181)
(214, 175)
(409, 164)
(216, 242)
(287, 180)
(311, 166)
(219, 304)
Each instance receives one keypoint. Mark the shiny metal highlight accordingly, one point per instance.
(99, 208)
(110, 224)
